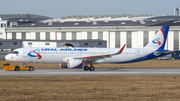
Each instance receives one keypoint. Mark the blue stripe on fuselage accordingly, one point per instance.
(150, 56)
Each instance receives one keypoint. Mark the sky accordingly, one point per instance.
(62, 8)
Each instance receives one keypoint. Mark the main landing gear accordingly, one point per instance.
(91, 68)
(86, 68)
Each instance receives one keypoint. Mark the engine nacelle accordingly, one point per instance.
(74, 63)
(63, 65)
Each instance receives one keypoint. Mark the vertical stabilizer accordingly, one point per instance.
(159, 40)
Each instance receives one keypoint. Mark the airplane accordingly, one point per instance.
(82, 57)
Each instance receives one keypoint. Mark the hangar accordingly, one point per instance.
(9, 45)
(134, 30)
(11, 20)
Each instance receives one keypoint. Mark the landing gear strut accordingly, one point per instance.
(24, 64)
(91, 68)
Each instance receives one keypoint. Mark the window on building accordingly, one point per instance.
(176, 40)
(85, 43)
(37, 35)
(46, 43)
(1, 25)
(117, 39)
(0, 43)
(89, 35)
(63, 36)
(14, 23)
(73, 35)
(47, 35)
(99, 43)
(100, 35)
(29, 43)
(129, 36)
(146, 38)
(4, 25)
(15, 43)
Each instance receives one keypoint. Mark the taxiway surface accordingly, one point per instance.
(56, 72)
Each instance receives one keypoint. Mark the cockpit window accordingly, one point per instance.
(15, 52)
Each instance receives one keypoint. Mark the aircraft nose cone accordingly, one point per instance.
(7, 57)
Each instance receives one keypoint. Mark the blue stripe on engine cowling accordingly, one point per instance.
(78, 67)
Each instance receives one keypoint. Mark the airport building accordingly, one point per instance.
(9, 45)
(134, 30)
(12, 20)
(111, 31)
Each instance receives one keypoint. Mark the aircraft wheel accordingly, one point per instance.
(31, 68)
(17, 68)
(92, 68)
(86, 68)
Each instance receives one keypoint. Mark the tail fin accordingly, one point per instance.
(159, 40)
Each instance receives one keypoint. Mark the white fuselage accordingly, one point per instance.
(59, 55)
(76, 57)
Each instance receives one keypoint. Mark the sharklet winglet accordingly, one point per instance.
(121, 50)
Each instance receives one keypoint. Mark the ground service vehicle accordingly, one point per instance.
(7, 66)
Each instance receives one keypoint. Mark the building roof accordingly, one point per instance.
(111, 20)
(88, 40)
(16, 17)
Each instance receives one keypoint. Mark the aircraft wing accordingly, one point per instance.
(95, 57)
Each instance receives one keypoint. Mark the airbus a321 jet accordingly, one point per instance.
(82, 57)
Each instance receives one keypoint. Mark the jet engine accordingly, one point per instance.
(74, 63)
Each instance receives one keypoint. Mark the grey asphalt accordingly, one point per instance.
(61, 72)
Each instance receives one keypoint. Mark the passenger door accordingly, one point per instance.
(144, 53)
(25, 53)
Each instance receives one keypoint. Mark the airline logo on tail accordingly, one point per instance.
(35, 53)
(157, 41)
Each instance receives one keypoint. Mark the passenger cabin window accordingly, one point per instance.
(99, 43)
(0, 43)
(15, 52)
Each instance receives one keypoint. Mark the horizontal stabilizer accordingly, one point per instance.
(163, 52)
